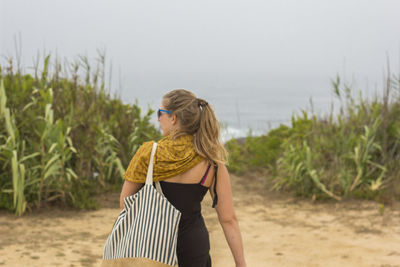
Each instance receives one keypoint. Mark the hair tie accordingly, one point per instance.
(201, 102)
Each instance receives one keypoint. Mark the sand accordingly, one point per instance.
(277, 230)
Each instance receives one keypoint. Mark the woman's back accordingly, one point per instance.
(186, 193)
(194, 175)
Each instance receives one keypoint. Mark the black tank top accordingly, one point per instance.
(193, 240)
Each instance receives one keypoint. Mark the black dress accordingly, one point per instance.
(193, 244)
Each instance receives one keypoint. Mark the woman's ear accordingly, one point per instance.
(174, 119)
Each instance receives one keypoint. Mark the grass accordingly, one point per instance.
(65, 141)
(65, 138)
(352, 155)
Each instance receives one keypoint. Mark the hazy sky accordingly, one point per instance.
(215, 45)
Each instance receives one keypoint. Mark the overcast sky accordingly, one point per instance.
(215, 44)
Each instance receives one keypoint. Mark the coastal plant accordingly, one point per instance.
(238, 162)
(106, 160)
(362, 156)
(65, 138)
(255, 152)
(354, 153)
(300, 174)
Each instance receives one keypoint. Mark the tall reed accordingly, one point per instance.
(355, 153)
(65, 138)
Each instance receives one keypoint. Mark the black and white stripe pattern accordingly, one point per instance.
(147, 227)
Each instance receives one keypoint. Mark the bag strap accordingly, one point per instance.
(149, 177)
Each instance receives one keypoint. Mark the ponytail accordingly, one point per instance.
(197, 118)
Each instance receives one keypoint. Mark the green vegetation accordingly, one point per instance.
(63, 139)
(355, 155)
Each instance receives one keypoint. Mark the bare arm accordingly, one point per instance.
(129, 188)
(227, 216)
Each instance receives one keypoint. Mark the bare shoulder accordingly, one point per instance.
(222, 170)
(222, 179)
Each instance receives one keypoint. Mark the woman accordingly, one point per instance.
(189, 161)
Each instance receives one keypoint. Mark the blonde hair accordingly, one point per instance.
(197, 118)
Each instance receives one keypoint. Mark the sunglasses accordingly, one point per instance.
(159, 112)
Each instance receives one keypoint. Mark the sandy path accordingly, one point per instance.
(277, 231)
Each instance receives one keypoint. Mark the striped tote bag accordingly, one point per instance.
(145, 232)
